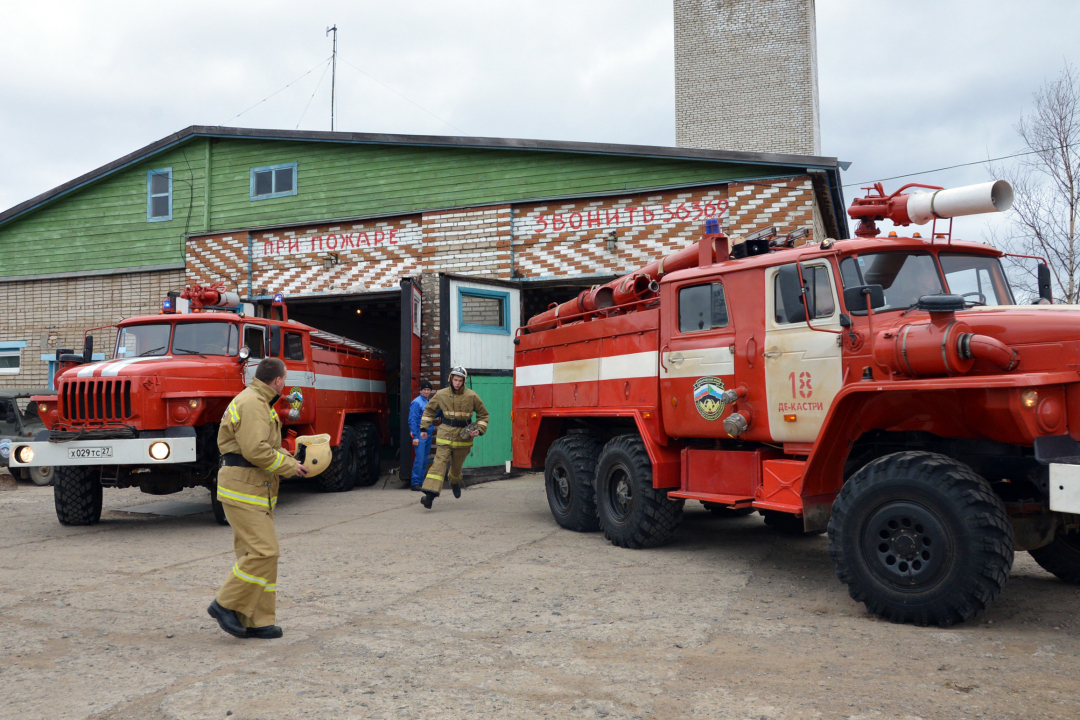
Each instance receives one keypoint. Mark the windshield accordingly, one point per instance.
(206, 338)
(978, 278)
(904, 276)
(143, 340)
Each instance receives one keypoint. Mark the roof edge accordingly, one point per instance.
(480, 143)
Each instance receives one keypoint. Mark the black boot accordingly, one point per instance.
(227, 619)
(428, 498)
(266, 632)
(456, 489)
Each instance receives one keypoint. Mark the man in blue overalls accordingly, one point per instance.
(421, 448)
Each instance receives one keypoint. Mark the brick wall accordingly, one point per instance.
(563, 239)
(786, 204)
(52, 314)
(481, 311)
(746, 76)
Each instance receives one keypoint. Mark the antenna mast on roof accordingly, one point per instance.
(333, 75)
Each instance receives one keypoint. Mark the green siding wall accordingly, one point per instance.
(103, 225)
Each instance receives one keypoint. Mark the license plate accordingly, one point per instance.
(89, 452)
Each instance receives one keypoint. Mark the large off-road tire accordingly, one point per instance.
(786, 523)
(42, 475)
(1061, 557)
(570, 480)
(367, 454)
(217, 507)
(632, 513)
(919, 537)
(341, 475)
(77, 494)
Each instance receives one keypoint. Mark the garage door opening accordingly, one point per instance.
(370, 318)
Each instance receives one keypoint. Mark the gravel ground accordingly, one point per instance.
(483, 607)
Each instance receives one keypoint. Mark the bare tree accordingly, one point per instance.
(1046, 209)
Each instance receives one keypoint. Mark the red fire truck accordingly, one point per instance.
(149, 417)
(889, 390)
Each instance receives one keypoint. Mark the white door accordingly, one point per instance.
(802, 365)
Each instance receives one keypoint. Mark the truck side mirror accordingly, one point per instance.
(275, 340)
(1045, 292)
(855, 300)
(88, 349)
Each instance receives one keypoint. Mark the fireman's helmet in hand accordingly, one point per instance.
(466, 433)
(317, 452)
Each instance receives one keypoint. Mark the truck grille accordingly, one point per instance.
(95, 400)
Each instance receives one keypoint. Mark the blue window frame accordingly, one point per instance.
(159, 195)
(483, 311)
(273, 181)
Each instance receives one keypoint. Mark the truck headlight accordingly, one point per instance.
(1029, 398)
(159, 450)
(25, 454)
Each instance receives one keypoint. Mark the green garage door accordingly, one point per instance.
(493, 448)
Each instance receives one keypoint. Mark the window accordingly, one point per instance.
(273, 181)
(294, 346)
(255, 341)
(10, 353)
(143, 340)
(979, 279)
(787, 295)
(483, 311)
(206, 338)
(9, 417)
(905, 277)
(159, 195)
(702, 307)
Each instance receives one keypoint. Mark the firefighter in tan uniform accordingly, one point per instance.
(457, 404)
(252, 464)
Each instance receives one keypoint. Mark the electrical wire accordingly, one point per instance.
(275, 93)
(321, 77)
(400, 95)
(953, 167)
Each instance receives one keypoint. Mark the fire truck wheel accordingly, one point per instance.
(77, 494)
(633, 514)
(341, 475)
(570, 479)
(786, 523)
(218, 508)
(367, 453)
(1061, 557)
(919, 537)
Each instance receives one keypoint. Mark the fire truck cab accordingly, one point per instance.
(149, 416)
(889, 390)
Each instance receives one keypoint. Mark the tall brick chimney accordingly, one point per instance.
(746, 76)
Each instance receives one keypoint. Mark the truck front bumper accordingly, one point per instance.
(141, 451)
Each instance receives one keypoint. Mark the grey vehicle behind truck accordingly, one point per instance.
(19, 420)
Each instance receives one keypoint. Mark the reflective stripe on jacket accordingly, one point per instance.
(251, 427)
(459, 405)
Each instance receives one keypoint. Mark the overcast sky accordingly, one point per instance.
(905, 87)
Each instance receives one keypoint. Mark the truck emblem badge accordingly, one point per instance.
(296, 403)
(708, 398)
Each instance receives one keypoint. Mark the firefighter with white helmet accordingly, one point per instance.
(455, 435)
(252, 464)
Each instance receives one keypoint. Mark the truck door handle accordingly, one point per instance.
(774, 353)
(676, 359)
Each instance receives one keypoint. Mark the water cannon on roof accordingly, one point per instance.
(919, 208)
